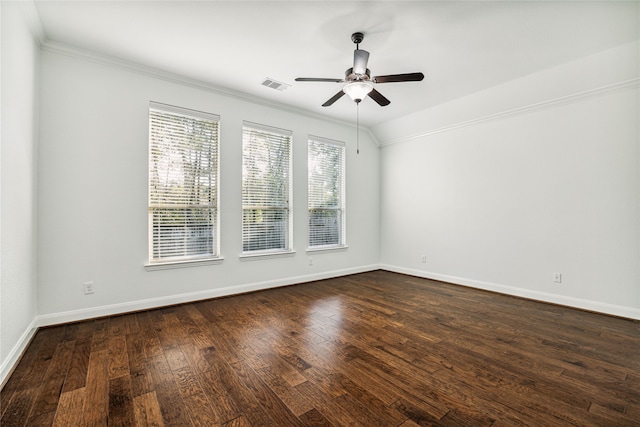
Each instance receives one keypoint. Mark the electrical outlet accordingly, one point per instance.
(310, 262)
(557, 277)
(423, 259)
(88, 288)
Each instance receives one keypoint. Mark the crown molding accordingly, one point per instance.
(32, 17)
(119, 63)
(568, 99)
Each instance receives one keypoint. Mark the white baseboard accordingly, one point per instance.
(146, 304)
(599, 307)
(11, 361)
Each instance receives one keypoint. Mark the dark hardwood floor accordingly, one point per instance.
(372, 349)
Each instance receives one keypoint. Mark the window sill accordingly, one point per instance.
(328, 248)
(182, 264)
(265, 255)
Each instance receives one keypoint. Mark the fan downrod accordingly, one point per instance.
(357, 37)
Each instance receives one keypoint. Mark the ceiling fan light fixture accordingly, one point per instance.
(358, 90)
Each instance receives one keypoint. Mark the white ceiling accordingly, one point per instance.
(461, 47)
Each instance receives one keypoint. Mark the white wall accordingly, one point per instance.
(501, 189)
(18, 178)
(93, 193)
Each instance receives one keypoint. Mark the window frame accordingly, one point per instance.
(211, 209)
(252, 129)
(340, 206)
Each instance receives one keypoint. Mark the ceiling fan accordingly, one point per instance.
(359, 80)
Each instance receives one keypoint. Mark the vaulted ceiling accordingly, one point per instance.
(461, 47)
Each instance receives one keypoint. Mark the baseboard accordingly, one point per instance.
(11, 361)
(146, 304)
(582, 304)
(7, 366)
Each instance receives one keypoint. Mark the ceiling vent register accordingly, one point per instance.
(274, 84)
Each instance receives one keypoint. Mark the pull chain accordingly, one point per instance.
(357, 128)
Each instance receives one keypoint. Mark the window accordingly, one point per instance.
(183, 184)
(266, 189)
(326, 193)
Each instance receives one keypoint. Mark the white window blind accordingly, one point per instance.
(326, 192)
(183, 184)
(266, 189)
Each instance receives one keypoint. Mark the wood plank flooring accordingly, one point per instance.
(372, 349)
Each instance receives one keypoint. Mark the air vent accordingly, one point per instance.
(274, 84)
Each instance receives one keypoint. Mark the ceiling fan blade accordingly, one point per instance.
(360, 59)
(379, 98)
(392, 78)
(314, 79)
(333, 99)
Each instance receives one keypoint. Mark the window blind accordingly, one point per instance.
(326, 192)
(266, 188)
(183, 184)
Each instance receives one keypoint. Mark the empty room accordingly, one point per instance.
(320, 213)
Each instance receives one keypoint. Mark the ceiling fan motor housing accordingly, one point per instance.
(350, 76)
